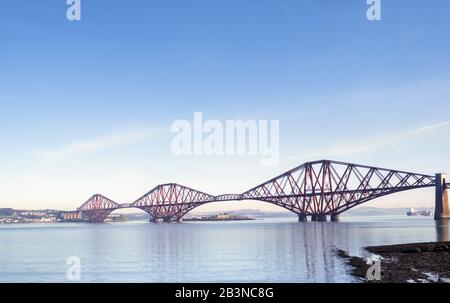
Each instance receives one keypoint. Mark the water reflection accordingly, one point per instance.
(442, 227)
(272, 250)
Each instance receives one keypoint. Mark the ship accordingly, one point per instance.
(413, 212)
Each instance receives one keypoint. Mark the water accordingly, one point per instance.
(270, 250)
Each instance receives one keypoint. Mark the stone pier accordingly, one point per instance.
(441, 210)
(319, 218)
(335, 218)
(302, 218)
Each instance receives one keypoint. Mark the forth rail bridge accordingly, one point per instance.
(318, 189)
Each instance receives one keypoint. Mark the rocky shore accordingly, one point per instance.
(406, 263)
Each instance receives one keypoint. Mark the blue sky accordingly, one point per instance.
(86, 106)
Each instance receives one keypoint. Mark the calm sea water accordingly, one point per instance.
(269, 250)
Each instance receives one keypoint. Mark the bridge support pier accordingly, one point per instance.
(167, 219)
(441, 210)
(335, 218)
(322, 218)
(319, 218)
(302, 218)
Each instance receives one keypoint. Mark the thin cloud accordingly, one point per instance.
(372, 143)
(98, 144)
(430, 127)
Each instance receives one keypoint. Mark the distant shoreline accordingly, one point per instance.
(219, 217)
(216, 220)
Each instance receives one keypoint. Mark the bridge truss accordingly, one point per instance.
(97, 208)
(171, 201)
(330, 187)
(316, 188)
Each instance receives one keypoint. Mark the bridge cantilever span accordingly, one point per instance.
(97, 208)
(316, 189)
(327, 187)
(171, 201)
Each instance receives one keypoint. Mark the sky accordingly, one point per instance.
(87, 106)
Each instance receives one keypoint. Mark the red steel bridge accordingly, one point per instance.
(318, 190)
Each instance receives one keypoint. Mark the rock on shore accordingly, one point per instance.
(402, 263)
